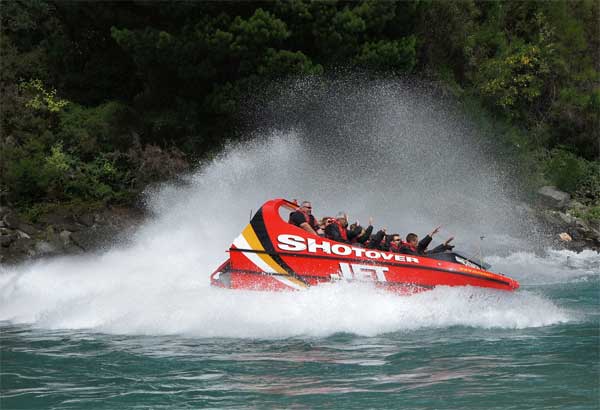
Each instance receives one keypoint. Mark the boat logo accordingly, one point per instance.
(466, 262)
(295, 243)
(355, 271)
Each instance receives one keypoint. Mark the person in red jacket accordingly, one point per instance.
(395, 244)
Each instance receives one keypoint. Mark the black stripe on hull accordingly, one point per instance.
(258, 225)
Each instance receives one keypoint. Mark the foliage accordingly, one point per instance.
(42, 99)
(589, 214)
(88, 131)
(515, 80)
(389, 54)
(565, 170)
(96, 95)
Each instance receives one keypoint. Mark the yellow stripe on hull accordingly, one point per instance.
(255, 244)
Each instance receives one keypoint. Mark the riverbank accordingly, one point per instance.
(64, 231)
(78, 230)
(561, 215)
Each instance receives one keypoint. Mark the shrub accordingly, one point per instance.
(25, 180)
(573, 174)
(41, 99)
(89, 130)
(588, 214)
(152, 163)
(384, 55)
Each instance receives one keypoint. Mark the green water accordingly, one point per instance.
(441, 367)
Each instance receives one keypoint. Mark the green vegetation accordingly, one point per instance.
(101, 98)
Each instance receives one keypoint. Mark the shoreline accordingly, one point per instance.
(66, 231)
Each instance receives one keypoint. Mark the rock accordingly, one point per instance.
(72, 248)
(55, 218)
(45, 248)
(580, 224)
(566, 218)
(553, 218)
(87, 220)
(4, 210)
(22, 235)
(577, 246)
(28, 228)
(63, 232)
(73, 227)
(22, 246)
(65, 236)
(565, 237)
(6, 240)
(524, 209)
(11, 220)
(95, 237)
(553, 198)
(89, 239)
(61, 221)
(83, 239)
(575, 205)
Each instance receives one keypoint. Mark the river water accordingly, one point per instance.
(138, 326)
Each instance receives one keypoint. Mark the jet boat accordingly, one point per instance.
(272, 254)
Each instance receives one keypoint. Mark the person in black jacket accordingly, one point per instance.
(413, 246)
(378, 240)
(357, 235)
(337, 229)
(303, 218)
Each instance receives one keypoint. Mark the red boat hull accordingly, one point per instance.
(271, 254)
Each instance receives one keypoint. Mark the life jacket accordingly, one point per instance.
(395, 247)
(409, 246)
(341, 230)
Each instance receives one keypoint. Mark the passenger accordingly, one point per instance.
(359, 234)
(322, 225)
(395, 243)
(377, 241)
(337, 229)
(303, 218)
(413, 246)
(443, 247)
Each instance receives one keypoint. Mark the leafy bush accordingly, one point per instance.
(588, 214)
(588, 189)
(281, 63)
(40, 98)
(152, 163)
(25, 180)
(573, 174)
(90, 130)
(389, 54)
(514, 80)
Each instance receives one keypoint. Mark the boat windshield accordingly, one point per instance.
(285, 208)
(458, 257)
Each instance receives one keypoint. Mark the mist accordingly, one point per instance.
(401, 153)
